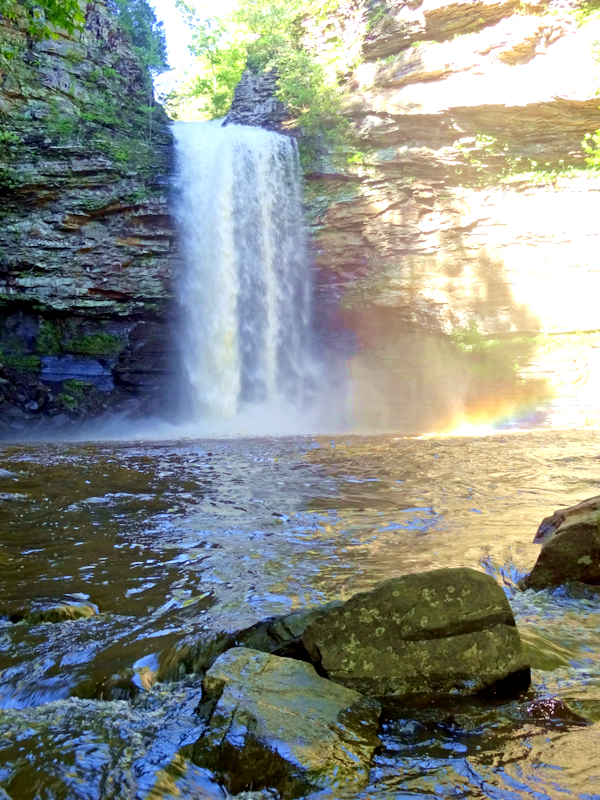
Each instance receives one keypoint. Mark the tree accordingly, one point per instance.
(145, 33)
(42, 16)
(268, 35)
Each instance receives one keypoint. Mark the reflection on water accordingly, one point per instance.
(169, 542)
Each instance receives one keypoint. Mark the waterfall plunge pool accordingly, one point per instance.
(173, 541)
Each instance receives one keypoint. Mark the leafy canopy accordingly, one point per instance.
(270, 35)
(44, 15)
(145, 32)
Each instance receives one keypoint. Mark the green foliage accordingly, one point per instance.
(41, 16)
(591, 146)
(47, 341)
(491, 359)
(144, 31)
(10, 178)
(75, 56)
(9, 146)
(22, 363)
(586, 10)
(377, 10)
(99, 344)
(76, 394)
(60, 125)
(268, 35)
(494, 163)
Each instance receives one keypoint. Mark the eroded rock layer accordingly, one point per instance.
(462, 237)
(87, 245)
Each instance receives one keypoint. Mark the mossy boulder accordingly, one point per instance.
(570, 547)
(274, 723)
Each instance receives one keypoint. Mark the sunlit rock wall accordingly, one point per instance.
(87, 246)
(432, 241)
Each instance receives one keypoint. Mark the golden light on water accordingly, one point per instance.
(465, 428)
(492, 414)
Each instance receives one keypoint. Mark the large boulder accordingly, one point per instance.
(570, 547)
(446, 631)
(274, 723)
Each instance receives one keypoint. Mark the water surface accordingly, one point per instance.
(170, 542)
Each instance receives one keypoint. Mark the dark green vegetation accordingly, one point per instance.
(110, 109)
(42, 16)
(292, 39)
(145, 33)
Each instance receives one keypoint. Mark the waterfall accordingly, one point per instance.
(245, 287)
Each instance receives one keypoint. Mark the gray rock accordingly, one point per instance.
(444, 631)
(570, 547)
(254, 102)
(274, 723)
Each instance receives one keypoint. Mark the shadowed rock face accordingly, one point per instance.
(274, 723)
(87, 244)
(570, 547)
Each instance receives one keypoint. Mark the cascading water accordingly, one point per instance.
(245, 287)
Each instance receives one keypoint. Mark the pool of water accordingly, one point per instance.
(167, 543)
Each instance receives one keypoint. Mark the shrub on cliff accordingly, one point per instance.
(43, 15)
(270, 35)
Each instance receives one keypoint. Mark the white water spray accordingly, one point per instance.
(245, 289)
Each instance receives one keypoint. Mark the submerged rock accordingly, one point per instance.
(67, 608)
(274, 723)
(444, 631)
(570, 547)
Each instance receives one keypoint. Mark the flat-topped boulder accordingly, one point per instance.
(273, 723)
(570, 541)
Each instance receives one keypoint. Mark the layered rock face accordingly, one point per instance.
(255, 103)
(87, 246)
(459, 240)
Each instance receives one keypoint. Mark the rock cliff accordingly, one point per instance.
(87, 244)
(459, 246)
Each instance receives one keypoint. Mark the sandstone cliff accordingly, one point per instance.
(469, 286)
(87, 244)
